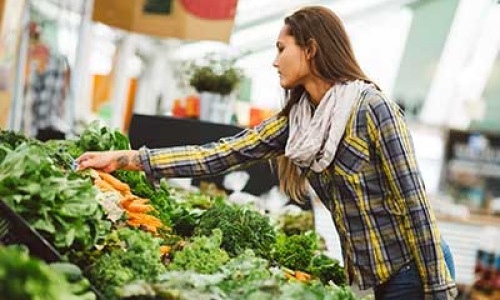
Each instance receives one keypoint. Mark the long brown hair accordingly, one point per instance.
(334, 62)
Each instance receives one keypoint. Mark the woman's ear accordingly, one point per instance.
(311, 49)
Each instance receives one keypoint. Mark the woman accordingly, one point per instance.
(342, 135)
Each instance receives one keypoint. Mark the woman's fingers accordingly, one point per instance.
(92, 160)
(106, 161)
(85, 156)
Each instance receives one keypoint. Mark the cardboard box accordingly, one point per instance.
(183, 19)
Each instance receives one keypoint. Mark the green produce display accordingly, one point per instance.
(204, 248)
(295, 251)
(137, 257)
(97, 137)
(299, 223)
(26, 278)
(242, 228)
(203, 254)
(60, 204)
(327, 269)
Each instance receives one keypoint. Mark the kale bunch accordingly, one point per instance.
(295, 251)
(203, 255)
(327, 269)
(242, 228)
(137, 258)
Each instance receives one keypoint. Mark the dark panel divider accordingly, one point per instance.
(161, 131)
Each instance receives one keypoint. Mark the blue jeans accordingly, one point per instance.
(407, 284)
(448, 257)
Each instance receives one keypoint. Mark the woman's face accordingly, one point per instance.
(293, 67)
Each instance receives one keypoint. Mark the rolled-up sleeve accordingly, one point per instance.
(390, 134)
(262, 142)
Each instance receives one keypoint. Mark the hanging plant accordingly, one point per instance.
(216, 75)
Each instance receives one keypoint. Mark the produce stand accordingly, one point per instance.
(15, 230)
(133, 241)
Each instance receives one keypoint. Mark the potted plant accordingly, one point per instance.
(215, 79)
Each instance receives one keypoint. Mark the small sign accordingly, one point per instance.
(159, 7)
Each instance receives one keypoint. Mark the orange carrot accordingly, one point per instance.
(117, 184)
(141, 201)
(103, 185)
(139, 208)
(145, 219)
(126, 193)
(127, 200)
(149, 228)
(164, 250)
(134, 223)
(302, 276)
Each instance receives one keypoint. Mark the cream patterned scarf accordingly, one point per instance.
(314, 138)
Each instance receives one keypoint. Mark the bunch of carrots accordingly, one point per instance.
(297, 275)
(136, 208)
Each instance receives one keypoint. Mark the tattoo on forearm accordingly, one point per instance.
(122, 161)
(136, 161)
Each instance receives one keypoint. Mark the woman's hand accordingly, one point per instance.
(109, 161)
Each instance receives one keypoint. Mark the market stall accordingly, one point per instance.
(115, 237)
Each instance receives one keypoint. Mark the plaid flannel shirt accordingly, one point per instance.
(373, 190)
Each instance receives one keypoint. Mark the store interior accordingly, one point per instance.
(177, 72)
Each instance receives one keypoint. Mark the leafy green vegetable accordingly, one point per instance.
(63, 152)
(295, 251)
(138, 258)
(242, 228)
(244, 273)
(327, 269)
(314, 291)
(177, 285)
(185, 220)
(62, 206)
(203, 254)
(186, 285)
(295, 223)
(9, 140)
(78, 284)
(97, 137)
(13, 139)
(26, 278)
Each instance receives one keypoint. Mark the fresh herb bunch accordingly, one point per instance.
(244, 274)
(295, 251)
(203, 255)
(327, 269)
(137, 258)
(216, 75)
(242, 228)
(97, 137)
(10, 140)
(185, 220)
(13, 139)
(297, 223)
(296, 290)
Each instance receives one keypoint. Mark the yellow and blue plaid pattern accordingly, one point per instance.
(373, 189)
